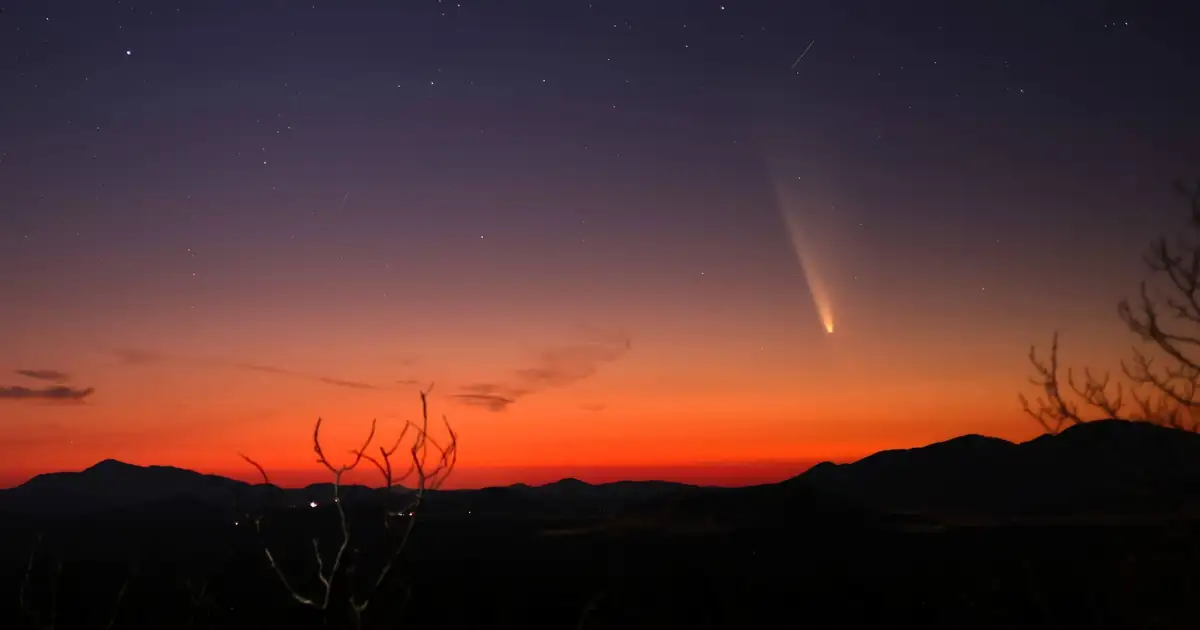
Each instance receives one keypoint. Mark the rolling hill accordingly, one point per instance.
(1103, 466)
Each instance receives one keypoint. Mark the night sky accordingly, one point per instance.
(598, 227)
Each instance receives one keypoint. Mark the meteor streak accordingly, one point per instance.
(797, 61)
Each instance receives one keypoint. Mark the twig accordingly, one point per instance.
(112, 620)
(197, 598)
(591, 607)
(23, 593)
(427, 478)
(1168, 395)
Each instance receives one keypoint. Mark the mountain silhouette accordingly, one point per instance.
(119, 488)
(112, 484)
(790, 506)
(1107, 465)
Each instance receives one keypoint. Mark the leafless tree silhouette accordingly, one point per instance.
(38, 618)
(45, 616)
(1166, 319)
(197, 597)
(427, 471)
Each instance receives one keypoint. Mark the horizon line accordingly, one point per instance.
(729, 473)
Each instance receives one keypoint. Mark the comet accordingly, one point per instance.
(800, 245)
(802, 242)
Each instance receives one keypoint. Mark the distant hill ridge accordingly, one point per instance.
(1102, 465)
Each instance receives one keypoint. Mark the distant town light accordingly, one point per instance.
(312, 504)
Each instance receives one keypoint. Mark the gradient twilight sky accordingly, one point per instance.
(230, 217)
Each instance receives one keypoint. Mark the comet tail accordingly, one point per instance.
(820, 295)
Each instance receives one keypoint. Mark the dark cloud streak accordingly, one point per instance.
(141, 357)
(556, 367)
(54, 376)
(490, 396)
(491, 402)
(56, 393)
(337, 382)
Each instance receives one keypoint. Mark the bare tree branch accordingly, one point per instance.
(112, 620)
(427, 476)
(592, 605)
(426, 479)
(1053, 411)
(257, 520)
(1167, 393)
(196, 595)
(27, 584)
(49, 619)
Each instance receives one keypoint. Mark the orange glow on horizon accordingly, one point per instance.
(663, 408)
(720, 438)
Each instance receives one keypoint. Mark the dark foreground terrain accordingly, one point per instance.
(497, 574)
(1115, 545)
